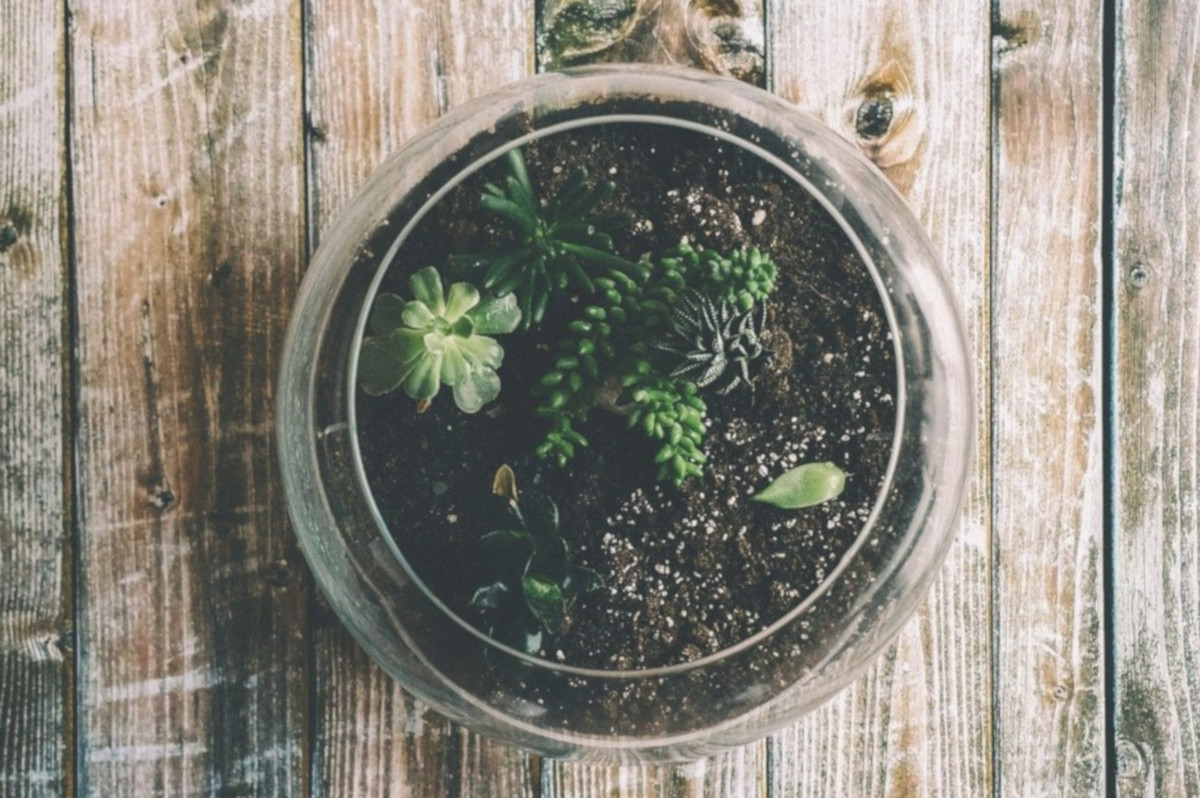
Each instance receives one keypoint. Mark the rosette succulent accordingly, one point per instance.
(714, 343)
(437, 338)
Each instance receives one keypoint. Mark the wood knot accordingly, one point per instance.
(1138, 276)
(220, 274)
(160, 497)
(1010, 35)
(278, 573)
(8, 237)
(882, 113)
(1131, 761)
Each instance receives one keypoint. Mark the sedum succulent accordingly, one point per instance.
(744, 276)
(437, 338)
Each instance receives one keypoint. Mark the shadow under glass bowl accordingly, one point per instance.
(681, 711)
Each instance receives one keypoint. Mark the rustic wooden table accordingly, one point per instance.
(167, 167)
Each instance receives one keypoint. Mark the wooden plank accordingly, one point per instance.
(737, 773)
(721, 36)
(1046, 371)
(1156, 530)
(35, 550)
(726, 38)
(378, 73)
(908, 81)
(190, 229)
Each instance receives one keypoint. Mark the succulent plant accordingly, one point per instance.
(714, 344)
(437, 338)
(559, 244)
(743, 277)
(669, 410)
(805, 485)
(534, 577)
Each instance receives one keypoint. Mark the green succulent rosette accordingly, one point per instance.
(437, 338)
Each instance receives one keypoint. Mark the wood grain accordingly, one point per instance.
(35, 550)
(920, 722)
(1046, 372)
(379, 72)
(190, 234)
(721, 36)
(680, 33)
(1156, 529)
(738, 773)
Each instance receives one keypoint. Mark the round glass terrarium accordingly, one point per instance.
(709, 697)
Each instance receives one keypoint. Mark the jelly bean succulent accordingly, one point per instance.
(534, 576)
(437, 338)
(651, 341)
(557, 245)
(743, 277)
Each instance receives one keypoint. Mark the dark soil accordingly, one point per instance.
(687, 571)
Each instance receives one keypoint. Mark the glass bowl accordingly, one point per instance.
(681, 711)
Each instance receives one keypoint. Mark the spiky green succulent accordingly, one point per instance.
(534, 577)
(558, 244)
(713, 343)
(437, 338)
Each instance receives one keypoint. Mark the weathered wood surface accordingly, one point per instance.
(35, 552)
(207, 666)
(722, 36)
(379, 73)
(1156, 285)
(908, 81)
(189, 231)
(1048, 486)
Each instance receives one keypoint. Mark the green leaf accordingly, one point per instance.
(386, 315)
(546, 601)
(427, 287)
(542, 513)
(455, 368)
(804, 486)
(582, 580)
(496, 315)
(511, 211)
(482, 352)
(598, 257)
(422, 382)
(521, 632)
(417, 315)
(385, 361)
(551, 558)
(463, 297)
(506, 540)
(516, 166)
(476, 390)
(489, 597)
(380, 368)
